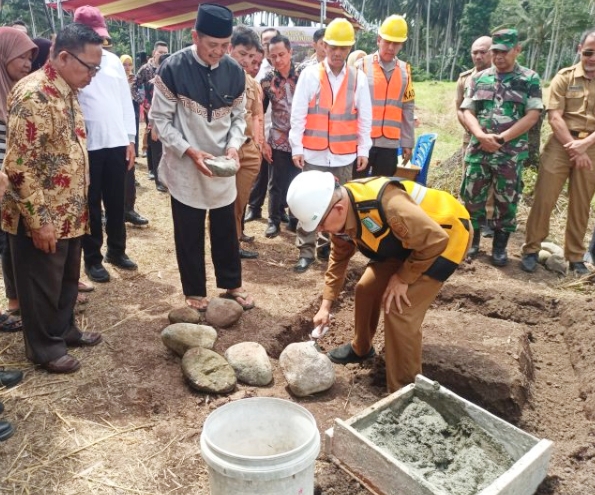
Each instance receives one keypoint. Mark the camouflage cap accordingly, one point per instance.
(505, 39)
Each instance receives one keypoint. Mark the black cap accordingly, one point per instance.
(214, 20)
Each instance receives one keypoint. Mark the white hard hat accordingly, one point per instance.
(309, 196)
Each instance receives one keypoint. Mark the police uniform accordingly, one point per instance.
(421, 235)
(498, 101)
(573, 93)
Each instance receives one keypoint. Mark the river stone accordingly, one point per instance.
(184, 315)
(553, 248)
(180, 337)
(543, 256)
(222, 313)
(556, 263)
(251, 363)
(222, 166)
(306, 370)
(207, 371)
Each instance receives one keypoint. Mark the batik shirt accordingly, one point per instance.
(46, 157)
(278, 92)
(499, 101)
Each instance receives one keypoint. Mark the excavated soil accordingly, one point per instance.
(520, 345)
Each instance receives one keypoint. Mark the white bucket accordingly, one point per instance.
(260, 446)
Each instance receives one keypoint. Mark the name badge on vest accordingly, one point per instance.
(371, 225)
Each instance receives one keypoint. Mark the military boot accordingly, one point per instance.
(474, 249)
(499, 256)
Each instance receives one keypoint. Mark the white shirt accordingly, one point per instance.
(307, 86)
(107, 106)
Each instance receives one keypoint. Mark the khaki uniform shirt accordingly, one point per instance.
(46, 157)
(462, 85)
(574, 94)
(254, 112)
(408, 222)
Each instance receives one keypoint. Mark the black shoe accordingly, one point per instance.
(271, 231)
(246, 238)
(292, 225)
(97, 273)
(284, 218)
(6, 430)
(10, 378)
(345, 354)
(302, 264)
(323, 252)
(121, 261)
(252, 215)
(248, 255)
(499, 243)
(134, 218)
(529, 262)
(161, 187)
(579, 268)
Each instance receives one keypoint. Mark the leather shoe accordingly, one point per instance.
(284, 218)
(529, 262)
(252, 215)
(161, 187)
(248, 255)
(345, 354)
(10, 378)
(64, 364)
(6, 430)
(134, 218)
(324, 252)
(97, 273)
(121, 261)
(292, 224)
(302, 264)
(246, 238)
(271, 231)
(579, 268)
(87, 339)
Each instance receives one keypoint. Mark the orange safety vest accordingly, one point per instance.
(332, 123)
(387, 96)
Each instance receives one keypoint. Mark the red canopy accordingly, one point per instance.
(178, 14)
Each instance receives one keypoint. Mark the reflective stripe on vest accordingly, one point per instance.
(373, 236)
(387, 97)
(332, 123)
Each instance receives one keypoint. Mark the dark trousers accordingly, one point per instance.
(136, 106)
(283, 171)
(130, 190)
(47, 286)
(381, 162)
(154, 154)
(259, 189)
(189, 236)
(108, 176)
(7, 269)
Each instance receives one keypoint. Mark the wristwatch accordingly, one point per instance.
(500, 140)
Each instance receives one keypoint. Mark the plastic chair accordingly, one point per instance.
(422, 154)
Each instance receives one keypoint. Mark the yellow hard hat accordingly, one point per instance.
(339, 32)
(394, 28)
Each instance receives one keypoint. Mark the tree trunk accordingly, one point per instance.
(428, 37)
(455, 57)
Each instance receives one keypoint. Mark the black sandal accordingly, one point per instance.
(9, 323)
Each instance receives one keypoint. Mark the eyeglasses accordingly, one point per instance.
(588, 53)
(479, 52)
(93, 69)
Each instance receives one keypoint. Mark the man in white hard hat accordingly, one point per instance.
(392, 95)
(331, 118)
(412, 253)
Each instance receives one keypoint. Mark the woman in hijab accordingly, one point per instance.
(17, 51)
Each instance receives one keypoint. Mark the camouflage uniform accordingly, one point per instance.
(498, 101)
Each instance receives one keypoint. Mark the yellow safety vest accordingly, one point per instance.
(375, 239)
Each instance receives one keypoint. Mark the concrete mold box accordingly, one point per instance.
(495, 457)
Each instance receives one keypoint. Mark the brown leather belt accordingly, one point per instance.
(580, 134)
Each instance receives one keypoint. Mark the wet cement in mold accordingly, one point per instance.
(458, 459)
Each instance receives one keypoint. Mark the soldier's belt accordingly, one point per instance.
(580, 134)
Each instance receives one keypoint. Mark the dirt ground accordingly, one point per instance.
(128, 423)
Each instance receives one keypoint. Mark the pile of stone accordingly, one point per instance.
(552, 257)
(306, 370)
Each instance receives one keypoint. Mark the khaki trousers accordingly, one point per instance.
(402, 331)
(555, 168)
(250, 159)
